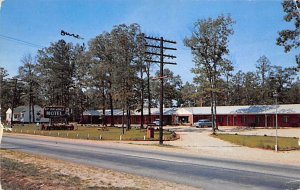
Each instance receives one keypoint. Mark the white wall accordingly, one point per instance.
(36, 110)
(25, 114)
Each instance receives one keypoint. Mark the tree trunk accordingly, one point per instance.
(212, 111)
(149, 109)
(81, 108)
(149, 98)
(215, 111)
(142, 100)
(112, 122)
(128, 117)
(103, 107)
(215, 102)
(123, 118)
(33, 115)
(212, 104)
(30, 105)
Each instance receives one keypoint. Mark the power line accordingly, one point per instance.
(20, 41)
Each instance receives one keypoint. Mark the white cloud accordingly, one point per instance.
(1, 1)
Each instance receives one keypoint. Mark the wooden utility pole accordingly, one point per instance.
(161, 76)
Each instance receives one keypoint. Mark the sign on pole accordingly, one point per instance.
(53, 112)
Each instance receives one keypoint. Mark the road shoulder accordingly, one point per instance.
(53, 173)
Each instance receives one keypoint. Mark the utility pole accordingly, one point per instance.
(275, 95)
(161, 77)
(276, 120)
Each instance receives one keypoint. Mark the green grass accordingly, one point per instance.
(91, 133)
(265, 142)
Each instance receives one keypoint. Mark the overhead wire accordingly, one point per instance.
(20, 41)
(23, 42)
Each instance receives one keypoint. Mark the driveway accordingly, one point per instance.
(199, 141)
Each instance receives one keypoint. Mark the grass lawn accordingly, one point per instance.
(265, 142)
(92, 133)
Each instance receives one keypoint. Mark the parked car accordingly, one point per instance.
(203, 123)
(157, 122)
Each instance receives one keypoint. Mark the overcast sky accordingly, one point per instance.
(39, 22)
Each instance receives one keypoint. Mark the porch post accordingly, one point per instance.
(266, 120)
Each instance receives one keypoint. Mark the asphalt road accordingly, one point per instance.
(202, 172)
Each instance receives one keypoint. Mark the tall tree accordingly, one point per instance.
(227, 70)
(293, 95)
(282, 79)
(125, 40)
(172, 89)
(263, 67)
(142, 67)
(209, 44)
(251, 89)
(81, 78)
(190, 96)
(56, 71)
(4, 92)
(118, 58)
(102, 55)
(290, 38)
(28, 75)
(236, 88)
(148, 70)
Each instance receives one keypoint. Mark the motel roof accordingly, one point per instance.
(221, 110)
(244, 110)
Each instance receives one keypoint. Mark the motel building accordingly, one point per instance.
(240, 116)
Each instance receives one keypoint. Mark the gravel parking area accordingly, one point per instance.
(199, 141)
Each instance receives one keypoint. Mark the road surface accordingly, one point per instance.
(201, 172)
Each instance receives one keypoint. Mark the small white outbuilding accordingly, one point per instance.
(21, 115)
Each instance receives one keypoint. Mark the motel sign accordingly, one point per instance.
(52, 112)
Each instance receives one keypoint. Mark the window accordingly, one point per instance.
(285, 119)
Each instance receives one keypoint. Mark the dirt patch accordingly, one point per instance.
(25, 171)
(21, 175)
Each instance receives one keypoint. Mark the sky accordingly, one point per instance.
(39, 23)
